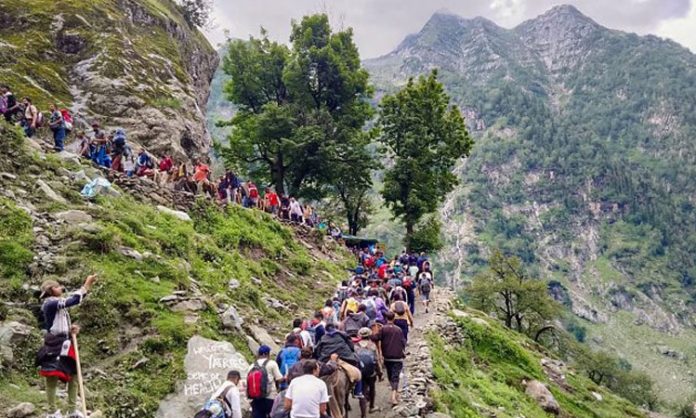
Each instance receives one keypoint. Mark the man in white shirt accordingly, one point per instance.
(307, 396)
(232, 402)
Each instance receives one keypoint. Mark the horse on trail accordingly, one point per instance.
(338, 385)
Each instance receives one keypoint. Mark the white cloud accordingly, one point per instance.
(379, 25)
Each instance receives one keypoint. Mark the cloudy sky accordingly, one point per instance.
(380, 25)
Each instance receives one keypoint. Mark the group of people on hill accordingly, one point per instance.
(27, 115)
(111, 150)
(363, 330)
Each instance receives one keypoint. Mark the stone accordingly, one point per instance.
(140, 363)
(73, 216)
(12, 333)
(233, 284)
(231, 319)
(253, 345)
(206, 365)
(169, 299)
(69, 157)
(598, 396)
(175, 213)
(191, 305)
(80, 177)
(131, 253)
(541, 394)
(8, 176)
(264, 338)
(49, 193)
(22, 410)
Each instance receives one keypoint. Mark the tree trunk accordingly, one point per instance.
(409, 233)
(278, 175)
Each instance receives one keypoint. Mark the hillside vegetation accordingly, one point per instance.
(481, 366)
(583, 167)
(223, 258)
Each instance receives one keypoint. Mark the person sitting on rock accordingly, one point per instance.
(56, 356)
(84, 148)
(201, 172)
(11, 105)
(164, 169)
(144, 164)
(118, 150)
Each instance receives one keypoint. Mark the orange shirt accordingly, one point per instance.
(201, 173)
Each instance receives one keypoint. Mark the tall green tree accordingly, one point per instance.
(302, 112)
(263, 128)
(330, 92)
(425, 136)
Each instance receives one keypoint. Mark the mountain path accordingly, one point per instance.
(417, 381)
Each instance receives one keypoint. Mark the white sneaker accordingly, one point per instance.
(57, 414)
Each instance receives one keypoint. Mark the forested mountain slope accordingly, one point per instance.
(584, 167)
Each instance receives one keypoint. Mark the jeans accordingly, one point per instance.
(261, 408)
(58, 137)
(403, 324)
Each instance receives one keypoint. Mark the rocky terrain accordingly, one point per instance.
(581, 166)
(124, 63)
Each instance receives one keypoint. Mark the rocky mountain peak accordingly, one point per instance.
(562, 36)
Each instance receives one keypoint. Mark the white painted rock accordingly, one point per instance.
(207, 363)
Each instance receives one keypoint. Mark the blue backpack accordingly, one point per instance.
(289, 356)
(214, 408)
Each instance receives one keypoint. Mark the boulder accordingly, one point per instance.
(73, 216)
(191, 305)
(541, 394)
(264, 338)
(12, 333)
(69, 157)
(131, 253)
(175, 213)
(49, 193)
(22, 410)
(231, 319)
(233, 284)
(206, 364)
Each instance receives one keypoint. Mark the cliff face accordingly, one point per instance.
(125, 63)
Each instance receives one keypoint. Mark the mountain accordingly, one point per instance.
(133, 64)
(584, 167)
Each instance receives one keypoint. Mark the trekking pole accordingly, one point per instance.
(80, 383)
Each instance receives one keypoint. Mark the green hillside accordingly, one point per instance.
(481, 367)
(141, 256)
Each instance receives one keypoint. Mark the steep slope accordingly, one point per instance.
(583, 167)
(229, 276)
(136, 64)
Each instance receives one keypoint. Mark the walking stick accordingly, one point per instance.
(80, 383)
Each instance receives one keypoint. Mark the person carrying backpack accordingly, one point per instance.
(425, 285)
(225, 402)
(57, 355)
(261, 383)
(355, 321)
(68, 119)
(57, 125)
(32, 118)
(393, 343)
(403, 318)
(372, 368)
(10, 104)
(287, 357)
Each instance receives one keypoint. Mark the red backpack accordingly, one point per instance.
(253, 192)
(257, 381)
(67, 117)
(408, 283)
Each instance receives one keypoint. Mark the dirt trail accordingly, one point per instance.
(415, 388)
